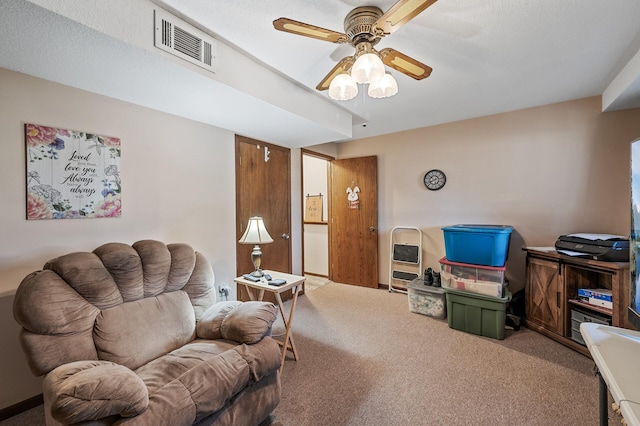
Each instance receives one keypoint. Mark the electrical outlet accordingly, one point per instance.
(224, 290)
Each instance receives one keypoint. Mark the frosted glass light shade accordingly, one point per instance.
(343, 88)
(367, 69)
(383, 88)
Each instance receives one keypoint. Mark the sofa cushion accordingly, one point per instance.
(249, 322)
(58, 306)
(197, 393)
(263, 357)
(45, 352)
(209, 384)
(134, 333)
(208, 326)
(125, 266)
(164, 369)
(57, 322)
(200, 286)
(90, 390)
(243, 322)
(86, 274)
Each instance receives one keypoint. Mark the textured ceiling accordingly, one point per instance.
(487, 57)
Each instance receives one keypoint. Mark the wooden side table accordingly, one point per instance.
(256, 291)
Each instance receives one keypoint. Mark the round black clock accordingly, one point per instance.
(434, 179)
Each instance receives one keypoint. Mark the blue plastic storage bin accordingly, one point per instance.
(477, 244)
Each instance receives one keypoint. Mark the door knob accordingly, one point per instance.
(285, 236)
(371, 228)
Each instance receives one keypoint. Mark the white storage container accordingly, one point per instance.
(485, 280)
(427, 300)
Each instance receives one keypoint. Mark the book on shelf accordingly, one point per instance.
(596, 296)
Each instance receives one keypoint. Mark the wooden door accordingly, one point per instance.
(263, 188)
(544, 295)
(353, 226)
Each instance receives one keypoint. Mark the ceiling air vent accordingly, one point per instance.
(184, 41)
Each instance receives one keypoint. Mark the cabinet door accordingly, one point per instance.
(544, 295)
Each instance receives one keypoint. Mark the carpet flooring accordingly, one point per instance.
(313, 282)
(365, 359)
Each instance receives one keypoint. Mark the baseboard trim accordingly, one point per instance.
(316, 275)
(21, 407)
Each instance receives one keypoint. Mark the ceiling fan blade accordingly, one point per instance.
(344, 65)
(405, 64)
(399, 14)
(307, 30)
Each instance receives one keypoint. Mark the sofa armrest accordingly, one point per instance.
(244, 322)
(90, 390)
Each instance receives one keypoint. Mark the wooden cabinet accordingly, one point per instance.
(551, 292)
(543, 294)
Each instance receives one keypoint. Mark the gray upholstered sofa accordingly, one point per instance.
(132, 335)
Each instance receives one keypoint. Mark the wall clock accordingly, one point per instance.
(435, 179)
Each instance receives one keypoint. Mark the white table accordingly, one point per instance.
(256, 291)
(616, 352)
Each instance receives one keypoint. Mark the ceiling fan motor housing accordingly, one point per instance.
(363, 28)
(358, 24)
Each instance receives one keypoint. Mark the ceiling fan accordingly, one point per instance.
(364, 27)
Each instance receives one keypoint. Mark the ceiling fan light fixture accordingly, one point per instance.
(343, 88)
(364, 26)
(367, 69)
(383, 88)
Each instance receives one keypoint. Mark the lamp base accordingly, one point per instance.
(257, 273)
(256, 258)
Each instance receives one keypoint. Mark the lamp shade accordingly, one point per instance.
(383, 88)
(256, 233)
(343, 88)
(367, 68)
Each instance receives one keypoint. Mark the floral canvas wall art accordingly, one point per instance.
(71, 174)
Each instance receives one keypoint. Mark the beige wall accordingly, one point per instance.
(177, 186)
(546, 171)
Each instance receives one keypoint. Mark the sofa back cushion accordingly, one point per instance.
(134, 333)
(136, 301)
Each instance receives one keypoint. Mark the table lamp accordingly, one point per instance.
(256, 234)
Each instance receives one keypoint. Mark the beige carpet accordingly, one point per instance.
(366, 360)
(313, 282)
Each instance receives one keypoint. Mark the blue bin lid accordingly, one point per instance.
(504, 229)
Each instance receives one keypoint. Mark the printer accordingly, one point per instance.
(605, 247)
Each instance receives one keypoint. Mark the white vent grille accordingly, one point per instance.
(183, 40)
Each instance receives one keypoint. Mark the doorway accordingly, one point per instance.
(348, 238)
(263, 188)
(315, 212)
